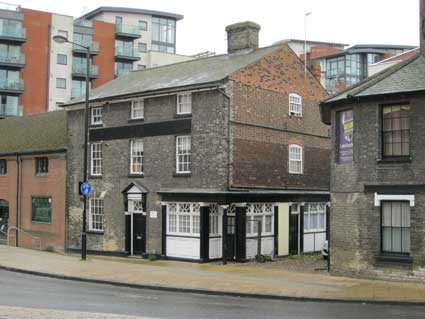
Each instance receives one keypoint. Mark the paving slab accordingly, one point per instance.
(209, 278)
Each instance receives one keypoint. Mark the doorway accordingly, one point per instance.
(4, 220)
(135, 233)
(231, 237)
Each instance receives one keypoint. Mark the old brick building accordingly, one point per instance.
(33, 180)
(377, 176)
(187, 158)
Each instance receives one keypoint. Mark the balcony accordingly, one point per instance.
(94, 48)
(10, 110)
(15, 34)
(8, 86)
(125, 54)
(79, 70)
(127, 31)
(120, 72)
(17, 61)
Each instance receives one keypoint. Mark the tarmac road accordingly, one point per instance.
(27, 296)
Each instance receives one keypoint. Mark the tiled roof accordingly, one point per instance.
(35, 133)
(184, 74)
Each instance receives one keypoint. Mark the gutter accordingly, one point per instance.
(149, 94)
(59, 150)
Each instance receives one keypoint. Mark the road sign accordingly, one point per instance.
(85, 188)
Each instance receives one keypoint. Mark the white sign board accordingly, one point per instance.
(153, 214)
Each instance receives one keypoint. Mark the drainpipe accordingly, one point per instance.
(18, 188)
(221, 90)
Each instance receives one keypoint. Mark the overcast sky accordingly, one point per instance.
(351, 22)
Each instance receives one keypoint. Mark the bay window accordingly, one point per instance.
(183, 218)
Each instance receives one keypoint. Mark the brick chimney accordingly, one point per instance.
(422, 25)
(242, 35)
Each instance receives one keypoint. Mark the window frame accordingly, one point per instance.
(382, 137)
(299, 112)
(32, 210)
(41, 169)
(142, 44)
(182, 105)
(141, 108)
(317, 212)
(64, 82)
(189, 154)
(401, 227)
(301, 160)
(3, 167)
(133, 157)
(61, 55)
(91, 215)
(191, 222)
(96, 119)
(99, 163)
(143, 22)
(252, 214)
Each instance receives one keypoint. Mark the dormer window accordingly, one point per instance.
(295, 105)
(184, 103)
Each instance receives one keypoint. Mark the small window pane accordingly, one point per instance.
(61, 59)
(60, 83)
(386, 238)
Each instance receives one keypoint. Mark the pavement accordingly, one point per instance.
(235, 280)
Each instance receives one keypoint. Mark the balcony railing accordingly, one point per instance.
(132, 31)
(81, 69)
(8, 85)
(126, 53)
(10, 110)
(120, 72)
(15, 32)
(12, 59)
(84, 23)
(94, 47)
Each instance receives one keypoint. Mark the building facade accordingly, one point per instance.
(348, 67)
(377, 188)
(120, 40)
(33, 181)
(189, 165)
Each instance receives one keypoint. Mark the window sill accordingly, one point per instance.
(403, 259)
(395, 160)
(178, 116)
(296, 116)
(182, 174)
(141, 120)
(42, 174)
(95, 232)
(136, 175)
(96, 125)
(95, 176)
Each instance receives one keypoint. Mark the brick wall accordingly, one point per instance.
(355, 221)
(262, 128)
(209, 165)
(53, 185)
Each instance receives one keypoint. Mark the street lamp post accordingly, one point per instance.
(305, 42)
(62, 39)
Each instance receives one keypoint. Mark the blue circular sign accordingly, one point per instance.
(86, 188)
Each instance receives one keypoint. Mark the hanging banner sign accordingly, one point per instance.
(345, 125)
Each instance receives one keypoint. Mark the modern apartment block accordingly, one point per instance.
(38, 74)
(348, 67)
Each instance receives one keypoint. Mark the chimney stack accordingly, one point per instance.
(422, 25)
(242, 35)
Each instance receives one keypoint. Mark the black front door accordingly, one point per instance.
(139, 234)
(231, 238)
(293, 234)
